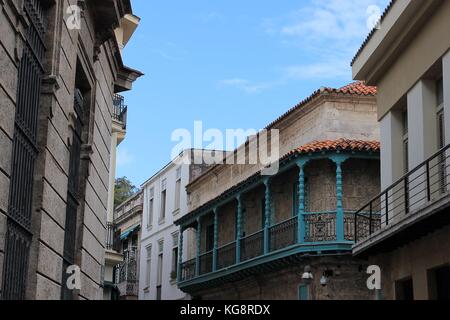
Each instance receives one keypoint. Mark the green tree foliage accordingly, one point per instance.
(123, 190)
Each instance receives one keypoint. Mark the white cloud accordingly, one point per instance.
(320, 70)
(328, 31)
(247, 85)
(124, 157)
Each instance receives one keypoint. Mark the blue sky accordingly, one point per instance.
(230, 64)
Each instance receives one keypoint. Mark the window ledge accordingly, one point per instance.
(176, 211)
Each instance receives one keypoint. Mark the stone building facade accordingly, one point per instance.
(408, 59)
(257, 236)
(165, 200)
(60, 65)
(128, 223)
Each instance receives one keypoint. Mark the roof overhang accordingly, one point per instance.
(400, 24)
(125, 78)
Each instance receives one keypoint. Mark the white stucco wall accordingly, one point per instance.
(163, 230)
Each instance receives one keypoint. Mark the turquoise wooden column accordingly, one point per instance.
(238, 228)
(199, 239)
(216, 238)
(301, 201)
(266, 216)
(339, 160)
(180, 255)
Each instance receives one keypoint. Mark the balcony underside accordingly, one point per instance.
(413, 226)
(265, 263)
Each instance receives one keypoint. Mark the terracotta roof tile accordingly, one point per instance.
(313, 147)
(354, 88)
(358, 88)
(341, 144)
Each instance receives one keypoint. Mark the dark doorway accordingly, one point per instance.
(404, 289)
(439, 283)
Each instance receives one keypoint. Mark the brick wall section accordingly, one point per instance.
(347, 283)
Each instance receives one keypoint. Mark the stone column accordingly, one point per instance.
(266, 216)
(180, 255)
(301, 202)
(199, 240)
(216, 238)
(238, 228)
(446, 81)
(422, 136)
(392, 161)
(339, 160)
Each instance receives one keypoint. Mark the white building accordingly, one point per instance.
(165, 200)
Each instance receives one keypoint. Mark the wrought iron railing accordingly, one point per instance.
(226, 255)
(423, 185)
(127, 279)
(252, 246)
(206, 262)
(320, 226)
(283, 234)
(188, 270)
(120, 109)
(112, 237)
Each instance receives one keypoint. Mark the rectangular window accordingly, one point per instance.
(173, 274)
(439, 283)
(151, 205)
(149, 267)
(303, 292)
(404, 289)
(162, 214)
(158, 292)
(159, 278)
(440, 92)
(405, 141)
(177, 194)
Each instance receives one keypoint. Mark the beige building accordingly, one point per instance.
(127, 223)
(408, 59)
(288, 235)
(60, 68)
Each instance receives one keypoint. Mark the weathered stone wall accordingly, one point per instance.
(326, 117)
(68, 52)
(413, 260)
(348, 282)
(227, 223)
(321, 186)
(253, 207)
(282, 195)
(361, 182)
(8, 87)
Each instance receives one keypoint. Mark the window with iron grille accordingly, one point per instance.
(24, 154)
(72, 193)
